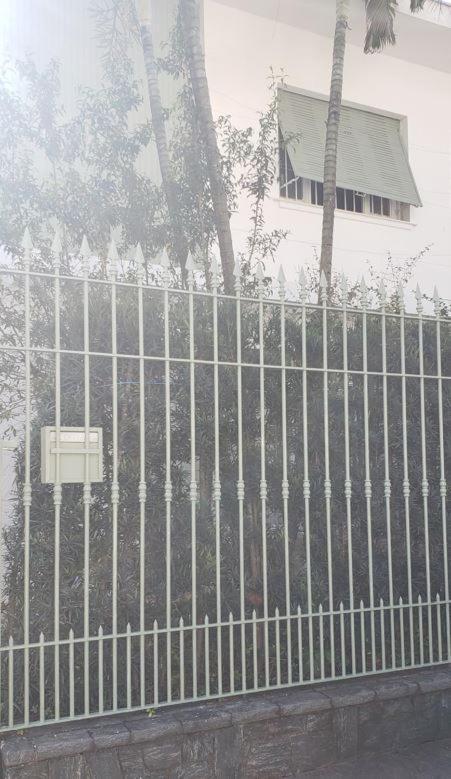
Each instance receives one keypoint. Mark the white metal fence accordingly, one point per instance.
(273, 503)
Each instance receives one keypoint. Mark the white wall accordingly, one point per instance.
(240, 49)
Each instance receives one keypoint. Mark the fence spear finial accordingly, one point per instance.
(166, 265)
(364, 293)
(419, 299)
(189, 267)
(214, 272)
(113, 257)
(303, 285)
(259, 275)
(57, 246)
(85, 254)
(323, 287)
(281, 278)
(437, 302)
(237, 274)
(400, 295)
(139, 260)
(27, 243)
(383, 293)
(344, 289)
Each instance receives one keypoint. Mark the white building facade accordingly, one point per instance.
(407, 88)
(410, 81)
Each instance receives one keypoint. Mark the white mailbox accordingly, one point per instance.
(73, 450)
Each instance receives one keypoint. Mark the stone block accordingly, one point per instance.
(268, 759)
(132, 763)
(345, 724)
(162, 755)
(202, 718)
(104, 763)
(74, 767)
(445, 714)
(252, 709)
(317, 746)
(30, 771)
(110, 736)
(160, 726)
(435, 680)
(62, 743)
(228, 752)
(301, 701)
(198, 749)
(17, 750)
(391, 687)
(348, 693)
(393, 724)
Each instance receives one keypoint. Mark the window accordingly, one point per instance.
(373, 171)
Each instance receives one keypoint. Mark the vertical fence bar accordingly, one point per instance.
(368, 487)
(85, 254)
(254, 648)
(306, 481)
(406, 482)
(387, 483)
(128, 665)
(342, 640)
(27, 247)
(231, 654)
(420, 629)
(72, 675)
(113, 258)
(263, 484)
(401, 635)
(193, 483)
(168, 483)
(443, 485)
(207, 655)
(57, 488)
(277, 629)
(439, 629)
(300, 647)
(240, 481)
(100, 666)
(321, 641)
(382, 629)
(217, 479)
(327, 482)
(156, 695)
(182, 658)
(348, 482)
(285, 484)
(362, 636)
(142, 487)
(11, 682)
(424, 470)
(41, 679)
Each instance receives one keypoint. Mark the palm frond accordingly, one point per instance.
(417, 5)
(380, 17)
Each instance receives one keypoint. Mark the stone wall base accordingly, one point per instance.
(269, 736)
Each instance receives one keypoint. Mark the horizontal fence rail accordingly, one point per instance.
(214, 494)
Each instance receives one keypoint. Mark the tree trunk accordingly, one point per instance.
(333, 123)
(180, 245)
(196, 60)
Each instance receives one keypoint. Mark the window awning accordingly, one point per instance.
(371, 155)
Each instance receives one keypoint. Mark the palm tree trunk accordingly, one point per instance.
(180, 246)
(333, 123)
(196, 61)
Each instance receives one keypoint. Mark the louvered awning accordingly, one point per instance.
(371, 155)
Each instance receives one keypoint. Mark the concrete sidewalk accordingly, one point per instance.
(425, 761)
